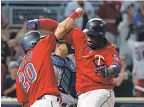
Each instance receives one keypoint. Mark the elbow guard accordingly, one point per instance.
(114, 69)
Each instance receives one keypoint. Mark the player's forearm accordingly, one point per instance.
(47, 24)
(65, 26)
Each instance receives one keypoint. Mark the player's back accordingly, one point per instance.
(36, 72)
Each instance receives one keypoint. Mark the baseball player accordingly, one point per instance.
(64, 67)
(36, 83)
(137, 47)
(97, 62)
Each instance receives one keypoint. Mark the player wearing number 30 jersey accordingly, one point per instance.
(36, 83)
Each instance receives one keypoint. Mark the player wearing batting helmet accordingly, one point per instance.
(97, 62)
(36, 84)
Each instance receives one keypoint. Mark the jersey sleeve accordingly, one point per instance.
(47, 44)
(21, 95)
(48, 24)
(113, 57)
(76, 38)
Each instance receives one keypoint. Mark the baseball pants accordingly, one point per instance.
(46, 101)
(97, 98)
(68, 100)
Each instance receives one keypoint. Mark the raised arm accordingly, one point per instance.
(52, 25)
(48, 24)
(65, 26)
(44, 24)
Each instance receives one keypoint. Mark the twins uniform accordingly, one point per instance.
(93, 89)
(36, 82)
(65, 73)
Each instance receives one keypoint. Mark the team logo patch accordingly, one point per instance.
(115, 57)
(98, 61)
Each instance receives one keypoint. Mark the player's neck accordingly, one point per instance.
(61, 54)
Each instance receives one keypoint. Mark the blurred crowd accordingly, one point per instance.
(125, 23)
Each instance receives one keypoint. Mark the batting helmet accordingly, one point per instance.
(29, 40)
(95, 27)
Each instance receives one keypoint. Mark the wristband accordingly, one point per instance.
(74, 15)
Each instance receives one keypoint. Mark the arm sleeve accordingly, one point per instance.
(113, 58)
(48, 24)
(114, 62)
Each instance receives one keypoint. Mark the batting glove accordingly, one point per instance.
(104, 71)
(33, 24)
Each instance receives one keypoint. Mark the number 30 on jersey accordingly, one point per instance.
(29, 74)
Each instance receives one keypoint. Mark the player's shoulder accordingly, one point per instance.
(110, 48)
(43, 38)
(46, 39)
(78, 32)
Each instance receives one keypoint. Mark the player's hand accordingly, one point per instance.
(80, 11)
(104, 71)
(33, 24)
